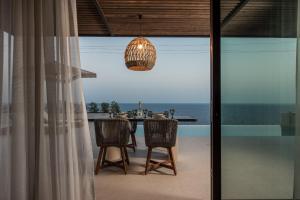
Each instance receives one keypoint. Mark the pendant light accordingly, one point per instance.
(140, 54)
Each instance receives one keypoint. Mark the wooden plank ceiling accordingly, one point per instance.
(265, 18)
(260, 18)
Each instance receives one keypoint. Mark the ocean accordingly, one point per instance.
(232, 114)
(237, 119)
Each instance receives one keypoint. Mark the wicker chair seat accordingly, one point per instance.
(160, 133)
(112, 132)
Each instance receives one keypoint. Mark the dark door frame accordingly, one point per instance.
(215, 106)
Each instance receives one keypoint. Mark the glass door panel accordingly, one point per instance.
(258, 98)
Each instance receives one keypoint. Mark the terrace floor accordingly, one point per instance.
(191, 183)
(253, 167)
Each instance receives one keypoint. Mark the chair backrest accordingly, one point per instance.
(112, 132)
(160, 132)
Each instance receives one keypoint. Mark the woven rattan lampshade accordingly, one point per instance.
(140, 55)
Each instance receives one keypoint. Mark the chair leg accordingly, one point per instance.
(103, 157)
(100, 157)
(126, 155)
(133, 139)
(148, 159)
(172, 160)
(133, 147)
(123, 160)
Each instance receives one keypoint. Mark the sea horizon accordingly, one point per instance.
(232, 113)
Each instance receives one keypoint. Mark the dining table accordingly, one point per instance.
(113, 153)
(180, 118)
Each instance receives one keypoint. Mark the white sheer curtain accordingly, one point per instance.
(45, 147)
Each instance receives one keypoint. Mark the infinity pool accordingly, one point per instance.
(227, 130)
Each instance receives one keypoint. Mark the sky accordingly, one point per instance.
(181, 73)
(253, 70)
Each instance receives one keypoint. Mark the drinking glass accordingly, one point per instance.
(109, 111)
(145, 113)
(150, 113)
(172, 112)
(166, 113)
(134, 113)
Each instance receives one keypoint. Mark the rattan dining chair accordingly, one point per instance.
(133, 143)
(112, 133)
(160, 133)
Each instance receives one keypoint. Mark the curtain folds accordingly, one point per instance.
(45, 146)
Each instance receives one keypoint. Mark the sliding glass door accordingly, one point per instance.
(297, 120)
(258, 99)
